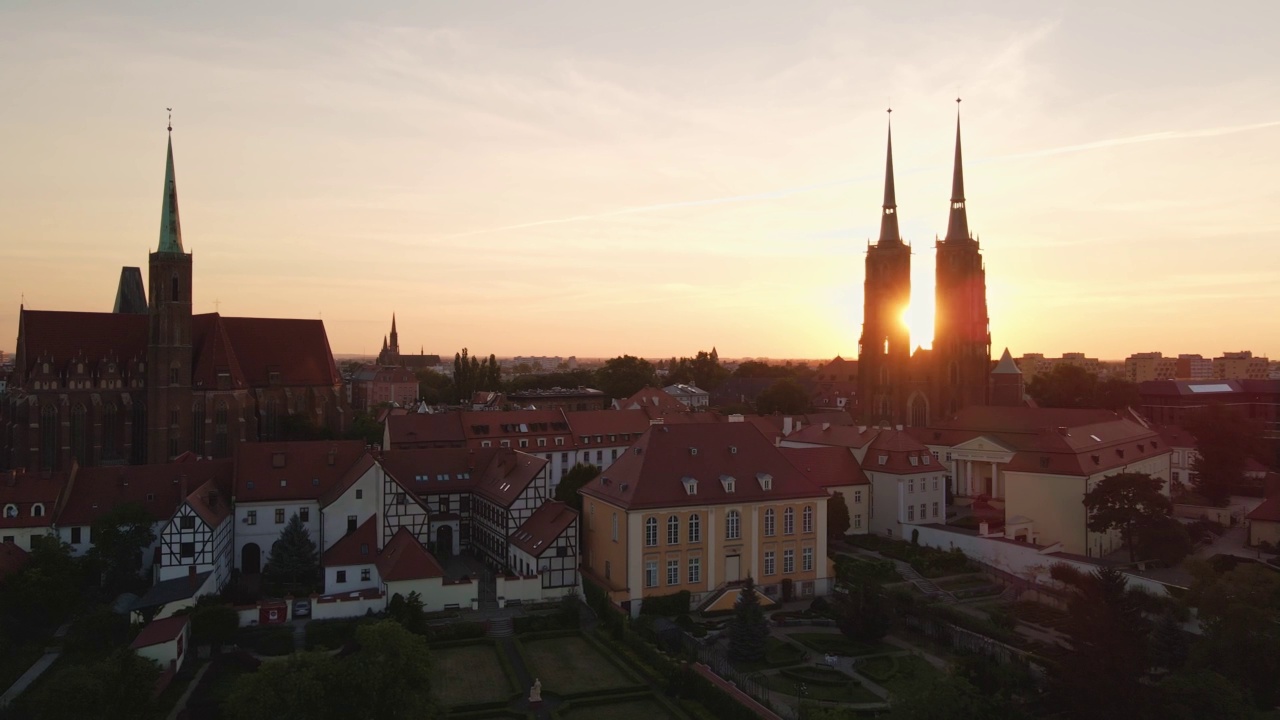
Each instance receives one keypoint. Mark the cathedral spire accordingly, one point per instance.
(958, 224)
(889, 218)
(170, 227)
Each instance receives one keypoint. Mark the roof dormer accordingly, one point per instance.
(690, 485)
(728, 483)
(765, 480)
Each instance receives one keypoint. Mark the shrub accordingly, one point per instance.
(668, 605)
(270, 640)
(330, 634)
(820, 606)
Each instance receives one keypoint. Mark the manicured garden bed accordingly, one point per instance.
(777, 654)
(1038, 614)
(833, 686)
(929, 562)
(570, 664)
(470, 674)
(837, 644)
(897, 673)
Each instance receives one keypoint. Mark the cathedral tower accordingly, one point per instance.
(885, 348)
(169, 399)
(961, 334)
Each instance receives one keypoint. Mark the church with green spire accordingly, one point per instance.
(152, 380)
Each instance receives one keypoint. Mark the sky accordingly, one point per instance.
(592, 179)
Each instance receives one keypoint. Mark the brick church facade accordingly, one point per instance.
(151, 381)
(897, 386)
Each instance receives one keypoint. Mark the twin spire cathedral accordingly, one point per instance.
(895, 385)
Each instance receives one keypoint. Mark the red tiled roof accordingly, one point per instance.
(355, 548)
(308, 471)
(26, 490)
(211, 502)
(508, 474)
(12, 559)
(895, 451)
(542, 528)
(63, 335)
(156, 487)
(349, 478)
(1176, 437)
(607, 422)
(212, 354)
(846, 436)
(826, 467)
(483, 425)
(161, 631)
(651, 397)
(651, 475)
(1268, 511)
(419, 471)
(436, 429)
(297, 349)
(404, 558)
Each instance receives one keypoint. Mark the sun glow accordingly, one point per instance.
(918, 317)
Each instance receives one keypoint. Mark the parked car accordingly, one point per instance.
(301, 608)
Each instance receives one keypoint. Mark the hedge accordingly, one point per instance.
(272, 640)
(668, 605)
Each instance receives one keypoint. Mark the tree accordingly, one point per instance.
(1170, 646)
(295, 688)
(213, 622)
(837, 516)
(704, 370)
(408, 612)
(784, 396)
(1108, 630)
(1224, 443)
(119, 537)
(748, 629)
(862, 611)
(118, 687)
(1116, 393)
(626, 375)
(573, 481)
(39, 597)
(951, 698)
(1126, 502)
(1240, 614)
(388, 677)
(293, 559)
(433, 387)
(1067, 386)
(97, 632)
(1197, 694)
(367, 428)
(757, 369)
(1164, 539)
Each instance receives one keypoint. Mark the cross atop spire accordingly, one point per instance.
(889, 218)
(170, 227)
(958, 224)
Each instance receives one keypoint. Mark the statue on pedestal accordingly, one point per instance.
(535, 693)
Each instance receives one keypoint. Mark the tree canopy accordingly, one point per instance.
(573, 481)
(785, 396)
(748, 629)
(1071, 386)
(703, 370)
(1127, 502)
(119, 537)
(118, 687)
(626, 375)
(294, 559)
(1224, 443)
(470, 374)
(837, 516)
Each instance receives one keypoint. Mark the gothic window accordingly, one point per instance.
(919, 412)
(48, 437)
(220, 429)
(884, 408)
(175, 288)
(110, 431)
(79, 435)
(197, 428)
(270, 419)
(139, 454)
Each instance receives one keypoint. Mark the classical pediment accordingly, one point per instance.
(982, 448)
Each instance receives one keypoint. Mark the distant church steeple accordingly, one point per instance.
(170, 227)
(395, 336)
(889, 232)
(958, 224)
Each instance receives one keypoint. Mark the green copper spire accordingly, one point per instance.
(170, 227)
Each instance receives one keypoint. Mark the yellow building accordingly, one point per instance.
(1240, 366)
(1147, 366)
(701, 507)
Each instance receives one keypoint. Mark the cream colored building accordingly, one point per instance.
(1147, 366)
(701, 507)
(1034, 466)
(1240, 366)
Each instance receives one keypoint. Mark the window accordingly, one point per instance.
(187, 549)
(922, 513)
(304, 514)
(769, 527)
(789, 521)
(75, 536)
(110, 431)
(673, 572)
(911, 486)
(732, 525)
(359, 494)
(695, 570)
(251, 518)
(650, 573)
(788, 561)
(935, 484)
(911, 513)
(673, 530)
(49, 437)
(806, 519)
(187, 522)
(351, 523)
(650, 532)
(770, 565)
(524, 442)
(364, 575)
(615, 527)
(935, 509)
(342, 576)
(806, 559)
(504, 443)
(695, 528)
(279, 516)
(79, 435)
(857, 521)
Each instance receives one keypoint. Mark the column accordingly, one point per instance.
(968, 477)
(995, 473)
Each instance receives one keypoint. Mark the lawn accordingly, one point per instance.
(830, 685)
(898, 674)
(837, 644)
(960, 582)
(470, 674)
(568, 665)
(778, 653)
(636, 709)
(1038, 614)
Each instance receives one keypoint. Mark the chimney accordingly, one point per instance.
(786, 426)
(826, 427)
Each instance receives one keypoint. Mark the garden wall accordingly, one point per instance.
(330, 608)
(1020, 559)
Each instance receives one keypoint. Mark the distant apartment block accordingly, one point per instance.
(1194, 367)
(1032, 364)
(1240, 366)
(1148, 366)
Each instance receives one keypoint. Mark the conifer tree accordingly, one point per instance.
(294, 559)
(748, 630)
(837, 516)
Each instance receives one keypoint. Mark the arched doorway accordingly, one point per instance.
(251, 559)
(444, 540)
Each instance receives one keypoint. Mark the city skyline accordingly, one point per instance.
(519, 185)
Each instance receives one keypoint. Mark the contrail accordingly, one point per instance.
(787, 192)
